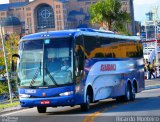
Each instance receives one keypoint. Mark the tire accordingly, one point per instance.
(120, 99)
(133, 95)
(86, 106)
(41, 109)
(128, 93)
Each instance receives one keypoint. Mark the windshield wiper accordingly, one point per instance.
(36, 74)
(51, 77)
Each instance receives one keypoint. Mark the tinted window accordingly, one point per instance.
(100, 47)
(103, 47)
(130, 49)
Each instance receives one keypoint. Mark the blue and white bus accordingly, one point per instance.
(78, 67)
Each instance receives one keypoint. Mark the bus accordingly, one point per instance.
(78, 67)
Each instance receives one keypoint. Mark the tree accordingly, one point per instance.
(3, 88)
(11, 45)
(108, 14)
(1, 62)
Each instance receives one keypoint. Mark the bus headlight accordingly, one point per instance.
(24, 96)
(66, 93)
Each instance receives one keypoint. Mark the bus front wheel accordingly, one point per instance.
(41, 109)
(86, 106)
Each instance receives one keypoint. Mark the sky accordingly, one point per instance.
(141, 7)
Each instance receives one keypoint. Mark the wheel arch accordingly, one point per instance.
(89, 90)
(135, 85)
(129, 82)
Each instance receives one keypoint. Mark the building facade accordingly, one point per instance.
(37, 16)
(127, 5)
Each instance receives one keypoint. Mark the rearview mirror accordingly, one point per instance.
(15, 55)
(12, 63)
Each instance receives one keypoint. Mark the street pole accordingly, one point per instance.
(157, 63)
(6, 65)
(146, 40)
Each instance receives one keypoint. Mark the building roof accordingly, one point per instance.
(71, 19)
(64, 1)
(5, 7)
(83, 0)
(74, 13)
(82, 26)
(10, 21)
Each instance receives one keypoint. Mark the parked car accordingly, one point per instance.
(3, 96)
(3, 79)
(15, 95)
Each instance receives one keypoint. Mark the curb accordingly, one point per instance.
(11, 109)
(152, 87)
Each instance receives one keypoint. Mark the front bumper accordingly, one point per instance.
(54, 101)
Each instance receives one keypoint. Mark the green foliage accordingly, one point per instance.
(108, 14)
(3, 88)
(11, 46)
(3, 106)
(13, 85)
(1, 63)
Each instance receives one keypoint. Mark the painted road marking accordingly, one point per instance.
(92, 116)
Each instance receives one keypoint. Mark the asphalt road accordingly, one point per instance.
(146, 107)
(152, 82)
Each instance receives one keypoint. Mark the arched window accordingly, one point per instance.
(45, 17)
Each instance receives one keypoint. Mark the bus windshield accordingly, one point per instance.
(45, 62)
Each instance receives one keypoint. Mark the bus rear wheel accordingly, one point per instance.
(133, 95)
(128, 94)
(41, 109)
(86, 106)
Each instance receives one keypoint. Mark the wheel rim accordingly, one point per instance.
(87, 101)
(133, 92)
(128, 94)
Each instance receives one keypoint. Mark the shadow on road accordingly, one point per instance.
(111, 105)
(141, 104)
(93, 108)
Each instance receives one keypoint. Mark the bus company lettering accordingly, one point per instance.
(108, 67)
(30, 91)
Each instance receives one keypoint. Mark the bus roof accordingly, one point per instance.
(76, 32)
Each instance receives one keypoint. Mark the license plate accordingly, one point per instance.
(45, 102)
